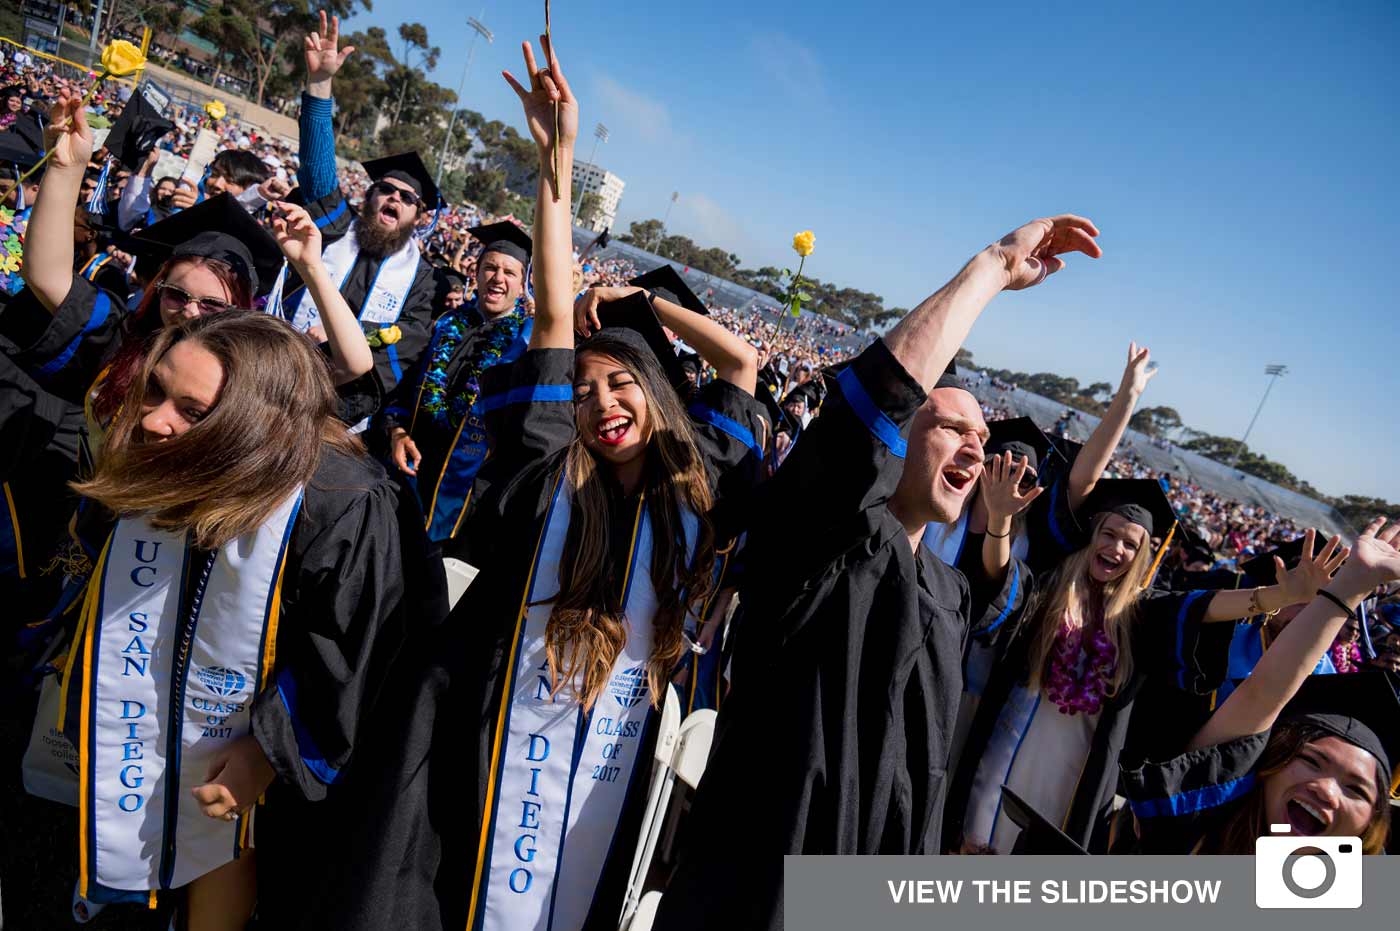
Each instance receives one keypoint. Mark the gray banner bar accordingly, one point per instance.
(1075, 893)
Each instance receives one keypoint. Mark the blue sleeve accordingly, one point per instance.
(317, 174)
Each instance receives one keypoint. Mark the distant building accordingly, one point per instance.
(595, 179)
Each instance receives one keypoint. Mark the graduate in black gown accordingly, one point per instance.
(372, 253)
(1314, 753)
(82, 345)
(254, 575)
(513, 768)
(1054, 715)
(436, 435)
(847, 671)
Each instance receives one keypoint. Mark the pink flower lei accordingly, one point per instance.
(1063, 684)
(1346, 656)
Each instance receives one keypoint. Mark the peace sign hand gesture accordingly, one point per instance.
(548, 87)
(1138, 371)
(323, 55)
(1032, 252)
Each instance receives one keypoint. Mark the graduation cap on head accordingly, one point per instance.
(1361, 709)
(136, 131)
(506, 238)
(1022, 438)
(1140, 500)
(219, 229)
(666, 282)
(950, 379)
(631, 319)
(15, 149)
(1261, 569)
(1038, 836)
(25, 135)
(408, 168)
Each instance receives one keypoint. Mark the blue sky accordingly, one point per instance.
(1240, 159)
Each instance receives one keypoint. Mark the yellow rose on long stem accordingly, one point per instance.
(216, 109)
(803, 243)
(121, 58)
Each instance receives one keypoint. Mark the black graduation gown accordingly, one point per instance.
(1181, 802)
(365, 396)
(1171, 644)
(353, 585)
(413, 860)
(834, 737)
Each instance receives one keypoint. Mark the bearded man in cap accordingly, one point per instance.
(383, 275)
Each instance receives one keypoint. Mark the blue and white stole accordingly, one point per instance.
(560, 775)
(166, 684)
(387, 294)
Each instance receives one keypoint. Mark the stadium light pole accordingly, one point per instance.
(661, 233)
(478, 29)
(1275, 372)
(600, 134)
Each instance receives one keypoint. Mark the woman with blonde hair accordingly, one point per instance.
(520, 748)
(248, 593)
(1055, 713)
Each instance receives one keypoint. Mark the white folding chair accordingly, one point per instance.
(459, 578)
(658, 797)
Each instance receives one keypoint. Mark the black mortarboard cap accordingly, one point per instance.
(632, 319)
(25, 134)
(218, 228)
(1140, 500)
(136, 131)
(1038, 835)
(504, 237)
(16, 149)
(1360, 708)
(1260, 569)
(668, 283)
(949, 378)
(1022, 438)
(408, 168)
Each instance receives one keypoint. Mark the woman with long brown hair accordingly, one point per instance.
(1055, 713)
(518, 760)
(84, 346)
(1314, 753)
(250, 589)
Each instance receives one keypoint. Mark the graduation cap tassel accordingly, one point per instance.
(99, 193)
(273, 307)
(422, 233)
(1161, 553)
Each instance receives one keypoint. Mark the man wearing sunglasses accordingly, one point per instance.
(371, 251)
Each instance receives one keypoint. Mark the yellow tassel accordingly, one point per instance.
(1161, 553)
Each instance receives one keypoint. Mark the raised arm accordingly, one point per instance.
(1256, 703)
(1295, 586)
(733, 358)
(1002, 495)
(300, 240)
(928, 338)
(553, 254)
(48, 240)
(1094, 457)
(316, 148)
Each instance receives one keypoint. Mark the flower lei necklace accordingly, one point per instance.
(1063, 684)
(446, 409)
(1346, 656)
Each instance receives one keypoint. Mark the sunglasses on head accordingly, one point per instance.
(405, 195)
(173, 296)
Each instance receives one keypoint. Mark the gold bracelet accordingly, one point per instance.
(1255, 608)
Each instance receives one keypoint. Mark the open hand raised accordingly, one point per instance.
(1032, 252)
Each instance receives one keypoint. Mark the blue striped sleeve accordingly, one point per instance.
(880, 425)
(101, 308)
(1193, 800)
(311, 755)
(706, 414)
(1011, 593)
(1181, 617)
(525, 394)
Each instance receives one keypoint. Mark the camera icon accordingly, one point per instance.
(1311, 872)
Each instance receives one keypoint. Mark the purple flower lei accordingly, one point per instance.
(1063, 684)
(1346, 656)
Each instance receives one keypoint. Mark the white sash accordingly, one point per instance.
(946, 540)
(387, 293)
(167, 686)
(565, 774)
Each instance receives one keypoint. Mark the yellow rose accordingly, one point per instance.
(121, 58)
(388, 336)
(803, 243)
(216, 109)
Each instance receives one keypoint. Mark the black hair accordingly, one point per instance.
(240, 167)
